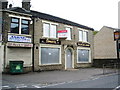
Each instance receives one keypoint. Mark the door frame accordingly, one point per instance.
(72, 51)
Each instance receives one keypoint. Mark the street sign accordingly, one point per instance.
(116, 35)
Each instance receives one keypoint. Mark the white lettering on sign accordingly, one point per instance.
(19, 38)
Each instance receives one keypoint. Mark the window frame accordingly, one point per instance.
(26, 24)
(50, 24)
(83, 31)
(20, 19)
(15, 23)
(89, 61)
(49, 46)
(70, 32)
(81, 36)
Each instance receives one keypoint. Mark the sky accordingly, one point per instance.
(91, 13)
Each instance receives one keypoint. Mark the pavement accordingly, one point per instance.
(45, 78)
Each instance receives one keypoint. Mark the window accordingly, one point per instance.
(25, 27)
(50, 55)
(68, 33)
(83, 36)
(19, 26)
(83, 55)
(14, 25)
(49, 30)
(80, 35)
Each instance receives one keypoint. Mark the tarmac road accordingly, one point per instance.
(51, 78)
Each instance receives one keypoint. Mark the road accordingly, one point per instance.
(81, 78)
(109, 81)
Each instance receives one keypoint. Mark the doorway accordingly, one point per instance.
(69, 59)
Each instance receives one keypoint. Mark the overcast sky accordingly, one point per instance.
(91, 13)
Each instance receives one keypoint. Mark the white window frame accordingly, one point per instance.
(49, 46)
(71, 28)
(50, 23)
(83, 30)
(78, 48)
(81, 37)
(20, 20)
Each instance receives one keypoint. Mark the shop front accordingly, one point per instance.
(83, 54)
(50, 54)
(19, 48)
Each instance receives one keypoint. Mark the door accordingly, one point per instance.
(68, 59)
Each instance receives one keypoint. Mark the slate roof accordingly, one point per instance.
(48, 17)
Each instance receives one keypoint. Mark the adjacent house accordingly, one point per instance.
(43, 41)
(105, 48)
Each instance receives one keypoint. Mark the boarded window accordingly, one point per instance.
(83, 55)
(50, 55)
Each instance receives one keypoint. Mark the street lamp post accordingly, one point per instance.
(117, 38)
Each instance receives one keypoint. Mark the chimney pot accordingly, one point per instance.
(3, 4)
(26, 4)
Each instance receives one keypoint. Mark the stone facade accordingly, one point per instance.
(31, 51)
(15, 50)
(65, 44)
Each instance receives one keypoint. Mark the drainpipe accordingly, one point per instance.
(33, 47)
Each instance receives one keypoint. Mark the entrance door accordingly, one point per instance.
(68, 59)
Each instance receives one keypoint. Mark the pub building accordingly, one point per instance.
(45, 42)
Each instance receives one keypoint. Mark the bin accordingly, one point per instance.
(16, 67)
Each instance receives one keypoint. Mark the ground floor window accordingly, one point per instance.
(83, 55)
(50, 55)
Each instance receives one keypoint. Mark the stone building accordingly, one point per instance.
(16, 36)
(32, 37)
(105, 48)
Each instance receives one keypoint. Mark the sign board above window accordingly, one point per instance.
(15, 38)
(49, 41)
(10, 44)
(62, 33)
(82, 44)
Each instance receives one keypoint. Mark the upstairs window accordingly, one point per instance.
(19, 26)
(49, 30)
(15, 25)
(83, 36)
(80, 35)
(68, 33)
(24, 27)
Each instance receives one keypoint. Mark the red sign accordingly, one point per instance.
(62, 34)
(62, 31)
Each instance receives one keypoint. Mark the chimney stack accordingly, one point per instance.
(3, 4)
(26, 4)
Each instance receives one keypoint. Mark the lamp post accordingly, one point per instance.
(117, 38)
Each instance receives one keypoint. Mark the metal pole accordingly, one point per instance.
(117, 44)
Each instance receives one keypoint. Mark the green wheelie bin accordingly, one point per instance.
(16, 67)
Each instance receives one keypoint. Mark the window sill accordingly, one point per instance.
(19, 34)
(83, 62)
(50, 64)
(50, 38)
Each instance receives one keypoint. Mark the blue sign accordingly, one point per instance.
(15, 38)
